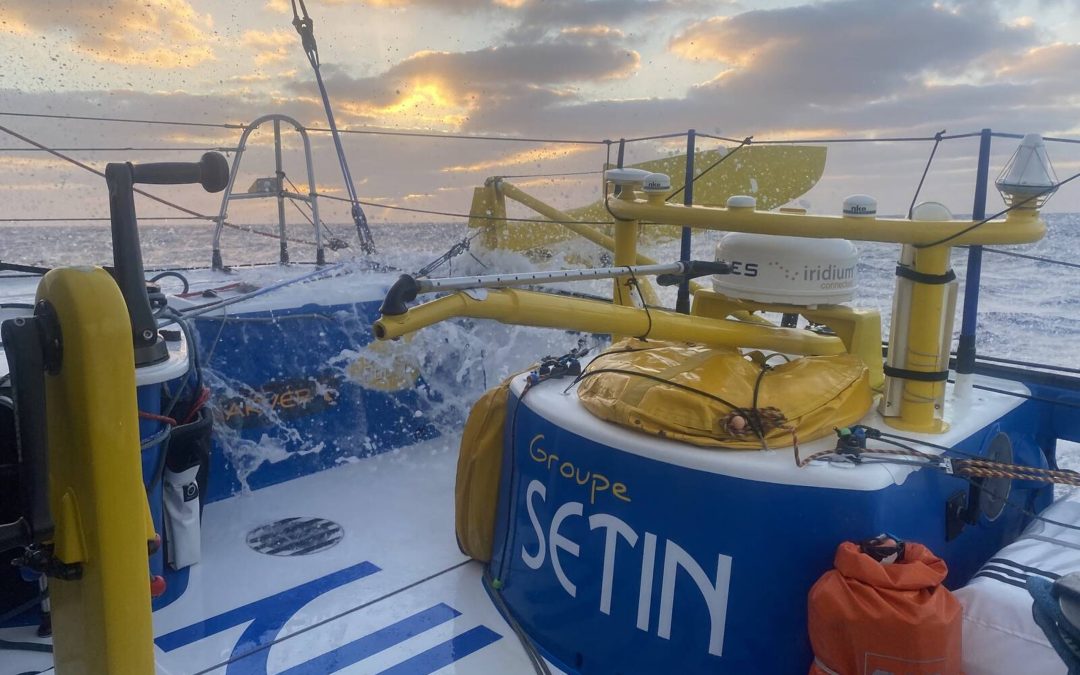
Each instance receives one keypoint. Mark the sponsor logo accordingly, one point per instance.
(744, 269)
(284, 399)
(649, 556)
(191, 492)
(593, 481)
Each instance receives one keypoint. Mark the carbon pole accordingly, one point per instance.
(682, 301)
(965, 349)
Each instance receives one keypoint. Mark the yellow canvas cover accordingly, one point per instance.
(476, 491)
(814, 393)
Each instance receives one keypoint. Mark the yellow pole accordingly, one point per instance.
(626, 236)
(531, 308)
(924, 345)
(599, 238)
(1019, 226)
(101, 622)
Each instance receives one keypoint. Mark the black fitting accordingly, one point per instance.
(692, 269)
(403, 291)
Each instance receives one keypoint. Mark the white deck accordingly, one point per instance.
(397, 513)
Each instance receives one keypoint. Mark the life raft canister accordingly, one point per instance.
(868, 617)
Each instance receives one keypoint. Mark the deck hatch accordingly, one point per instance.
(295, 536)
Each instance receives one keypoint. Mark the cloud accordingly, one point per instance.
(445, 88)
(542, 17)
(157, 34)
(1055, 64)
(847, 51)
(846, 67)
(270, 46)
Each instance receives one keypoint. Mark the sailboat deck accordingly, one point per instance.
(394, 595)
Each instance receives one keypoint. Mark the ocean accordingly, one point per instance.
(1029, 310)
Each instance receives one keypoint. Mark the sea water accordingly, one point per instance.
(1029, 310)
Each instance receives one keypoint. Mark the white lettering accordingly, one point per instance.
(615, 527)
(715, 595)
(558, 541)
(648, 562)
(534, 561)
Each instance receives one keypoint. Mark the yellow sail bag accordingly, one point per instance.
(476, 490)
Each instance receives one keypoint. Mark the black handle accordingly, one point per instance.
(212, 172)
(404, 290)
(693, 269)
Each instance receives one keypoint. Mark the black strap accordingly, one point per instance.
(923, 278)
(917, 375)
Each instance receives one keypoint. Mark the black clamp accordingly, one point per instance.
(554, 367)
(851, 441)
(917, 375)
(906, 272)
(39, 558)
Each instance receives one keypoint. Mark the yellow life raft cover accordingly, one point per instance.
(814, 393)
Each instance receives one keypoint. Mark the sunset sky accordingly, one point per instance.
(551, 68)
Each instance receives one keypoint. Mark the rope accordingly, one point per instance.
(926, 170)
(983, 468)
(143, 415)
(968, 466)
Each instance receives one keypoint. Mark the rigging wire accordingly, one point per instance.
(1007, 209)
(124, 149)
(335, 242)
(529, 139)
(450, 214)
(558, 174)
(693, 181)
(305, 28)
(83, 219)
(148, 195)
(1027, 256)
(926, 170)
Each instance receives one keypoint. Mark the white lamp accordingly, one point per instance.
(1028, 179)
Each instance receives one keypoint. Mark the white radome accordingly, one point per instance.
(787, 270)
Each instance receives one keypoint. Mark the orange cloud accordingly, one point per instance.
(714, 40)
(532, 156)
(156, 34)
(270, 46)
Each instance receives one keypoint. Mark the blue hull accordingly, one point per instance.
(277, 381)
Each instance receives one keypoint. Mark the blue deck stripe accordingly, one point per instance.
(267, 615)
(444, 654)
(375, 642)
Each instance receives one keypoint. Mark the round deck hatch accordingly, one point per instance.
(295, 536)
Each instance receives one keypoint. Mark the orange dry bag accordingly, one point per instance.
(871, 617)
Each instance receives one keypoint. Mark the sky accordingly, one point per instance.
(569, 69)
